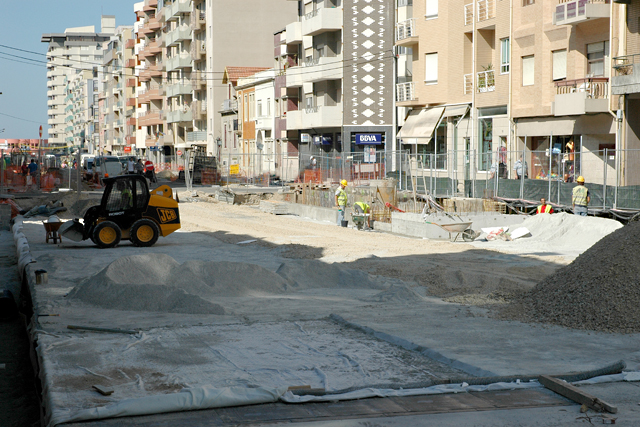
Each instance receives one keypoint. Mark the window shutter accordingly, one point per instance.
(528, 71)
(431, 68)
(432, 9)
(559, 64)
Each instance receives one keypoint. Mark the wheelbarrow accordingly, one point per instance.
(458, 229)
(360, 220)
(52, 231)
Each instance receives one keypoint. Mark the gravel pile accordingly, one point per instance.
(598, 291)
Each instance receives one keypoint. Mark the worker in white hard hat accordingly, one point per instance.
(341, 201)
(580, 198)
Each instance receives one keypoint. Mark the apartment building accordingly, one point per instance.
(118, 87)
(150, 72)
(78, 48)
(81, 122)
(339, 77)
(243, 42)
(625, 84)
(457, 84)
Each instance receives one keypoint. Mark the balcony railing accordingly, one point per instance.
(486, 9)
(486, 81)
(575, 11)
(405, 29)
(623, 65)
(405, 92)
(311, 14)
(594, 87)
(468, 14)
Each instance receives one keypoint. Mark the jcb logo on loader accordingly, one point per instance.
(167, 215)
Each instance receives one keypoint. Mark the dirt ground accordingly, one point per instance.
(456, 272)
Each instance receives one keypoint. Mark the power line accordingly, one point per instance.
(25, 120)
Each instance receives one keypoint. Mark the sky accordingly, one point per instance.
(23, 103)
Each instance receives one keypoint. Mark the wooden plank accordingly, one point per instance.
(103, 390)
(572, 392)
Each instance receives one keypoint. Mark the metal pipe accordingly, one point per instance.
(550, 164)
(604, 181)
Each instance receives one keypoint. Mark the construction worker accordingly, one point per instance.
(580, 199)
(126, 195)
(361, 207)
(341, 201)
(544, 207)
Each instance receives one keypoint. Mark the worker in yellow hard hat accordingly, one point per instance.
(341, 201)
(580, 198)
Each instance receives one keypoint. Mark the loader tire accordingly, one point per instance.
(107, 234)
(144, 233)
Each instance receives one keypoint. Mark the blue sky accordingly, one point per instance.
(23, 103)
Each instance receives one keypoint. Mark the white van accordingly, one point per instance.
(111, 165)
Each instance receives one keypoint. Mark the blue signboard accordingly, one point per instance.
(322, 140)
(368, 138)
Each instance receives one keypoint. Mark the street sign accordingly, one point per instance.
(154, 148)
(40, 131)
(127, 149)
(179, 152)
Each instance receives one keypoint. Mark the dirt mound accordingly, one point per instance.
(312, 274)
(152, 282)
(235, 279)
(396, 293)
(599, 290)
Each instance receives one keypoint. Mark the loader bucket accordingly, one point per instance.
(72, 230)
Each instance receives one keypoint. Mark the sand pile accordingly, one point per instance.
(563, 233)
(396, 293)
(157, 282)
(599, 290)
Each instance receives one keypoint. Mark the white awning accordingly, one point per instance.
(420, 124)
(456, 110)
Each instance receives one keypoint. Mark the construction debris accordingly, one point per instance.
(274, 207)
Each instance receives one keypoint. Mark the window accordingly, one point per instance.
(259, 107)
(433, 155)
(596, 54)
(432, 9)
(505, 53)
(559, 58)
(252, 106)
(431, 68)
(528, 70)
(245, 109)
(268, 107)
(528, 2)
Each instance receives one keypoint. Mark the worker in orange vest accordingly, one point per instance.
(544, 207)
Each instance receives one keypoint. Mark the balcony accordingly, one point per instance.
(405, 92)
(198, 19)
(179, 61)
(581, 96)
(199, 110)
(180, 7)
(180, 115)
(155, 70)
(315, 70)
(132, 102)
(321, 21)
(131, 140)
(196, 136)
(406, 33)
(130, 63)
(198, 80)
(579, 11)
(150, 118)
(150, 5)
(294, 33)
(229, 106)
(315, 117)
(130, 44)
(131, 121)
(148, 95)
(131, 83)
(626, 80)
(181, 33)
(485, 81)
(468, 84)
(198, 49)
(182, 88)
(486, 10)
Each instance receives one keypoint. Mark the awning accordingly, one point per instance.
(456, 110)
(420, 124)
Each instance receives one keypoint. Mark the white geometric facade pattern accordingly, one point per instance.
(368, 85)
